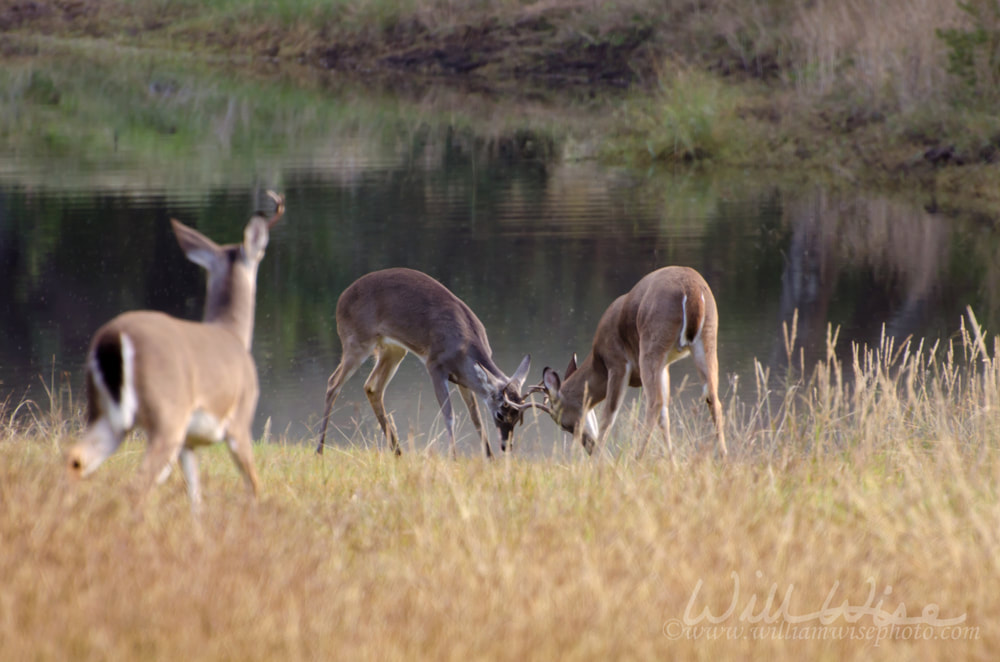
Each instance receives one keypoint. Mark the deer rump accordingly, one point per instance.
(133, 354)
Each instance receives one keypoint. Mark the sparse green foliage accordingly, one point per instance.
(974, 50)
(690, 117)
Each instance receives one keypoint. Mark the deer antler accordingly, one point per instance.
(279, 211)
(528, 405)
(538, 405)
(537, 388)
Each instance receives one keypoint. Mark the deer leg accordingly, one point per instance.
(439, 378)
(164, 447)
(656, 382)
(657, 408)
(389, 358)
(189, 466)
(352, 358)
(707, 362)
(617, 383)
(241, 448)
(473, 405)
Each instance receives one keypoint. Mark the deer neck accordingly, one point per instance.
(496, 376)
(590, 380)
(230, 304)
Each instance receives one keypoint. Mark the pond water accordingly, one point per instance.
(537, 249)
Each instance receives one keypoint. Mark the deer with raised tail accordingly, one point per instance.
(669, 314)
(185, 383)
(394, 311)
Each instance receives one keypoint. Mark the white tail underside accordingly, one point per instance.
(121, 410)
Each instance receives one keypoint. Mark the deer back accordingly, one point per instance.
(416, 311)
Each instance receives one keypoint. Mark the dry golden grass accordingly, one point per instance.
(867, 487)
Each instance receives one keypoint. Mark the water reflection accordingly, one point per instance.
(537, 250)
(869, 263)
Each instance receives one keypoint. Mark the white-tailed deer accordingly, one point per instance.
(185, 383)
(391, 312)
(668, 315)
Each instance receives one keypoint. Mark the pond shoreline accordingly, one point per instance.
(557, 58)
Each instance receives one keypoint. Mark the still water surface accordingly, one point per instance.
(537, 250)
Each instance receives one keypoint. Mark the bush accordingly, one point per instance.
(974, 52)
(686, 119)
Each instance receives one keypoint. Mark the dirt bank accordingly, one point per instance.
(533, 51)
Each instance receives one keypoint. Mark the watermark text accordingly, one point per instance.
(879, 618)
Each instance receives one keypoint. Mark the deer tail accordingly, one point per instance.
(111, 382)
(693, 314)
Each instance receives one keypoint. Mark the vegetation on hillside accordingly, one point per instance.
(862, 90)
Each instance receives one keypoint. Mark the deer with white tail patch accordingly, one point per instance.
(669, 314)
(185, 383)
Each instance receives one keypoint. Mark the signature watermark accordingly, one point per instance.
(876, 620)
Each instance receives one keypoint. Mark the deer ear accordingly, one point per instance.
(571, 368)
(521, 373)
(255, 238)
(550, 380)
(197, 247)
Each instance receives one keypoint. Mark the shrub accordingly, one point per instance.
(974, 50)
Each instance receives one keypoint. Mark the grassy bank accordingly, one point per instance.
(893, 93)
(862, 495)
(125, 118)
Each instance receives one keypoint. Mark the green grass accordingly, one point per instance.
(160, 118)
(871, 484)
